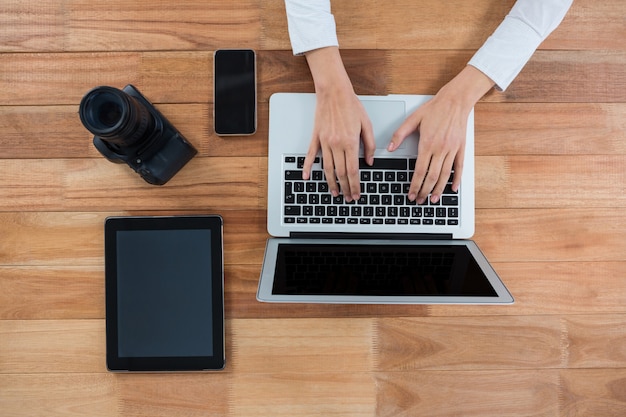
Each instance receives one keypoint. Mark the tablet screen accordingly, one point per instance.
(164, 293)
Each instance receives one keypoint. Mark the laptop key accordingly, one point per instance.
(384, 163)
(293, 175)
(450, 200)
(292, 210)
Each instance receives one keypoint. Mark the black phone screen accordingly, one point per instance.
(234, 89)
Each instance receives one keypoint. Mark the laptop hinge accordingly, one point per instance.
(390, 236)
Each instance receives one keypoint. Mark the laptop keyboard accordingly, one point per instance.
(384, 190)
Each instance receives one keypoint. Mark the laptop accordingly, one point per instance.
(381, 249)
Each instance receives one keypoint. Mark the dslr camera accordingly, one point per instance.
(129, 129)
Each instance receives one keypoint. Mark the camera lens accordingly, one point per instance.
(115, 116)
(109, 114)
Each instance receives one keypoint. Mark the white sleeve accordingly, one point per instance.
(508, 49)
(311, 25)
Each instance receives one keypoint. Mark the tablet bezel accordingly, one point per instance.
(115, 363)
(268, 270)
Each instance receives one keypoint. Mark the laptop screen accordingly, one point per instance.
(394, 270)
(378, 271)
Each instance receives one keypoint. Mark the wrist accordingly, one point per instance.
(469, 86)
(328, 71)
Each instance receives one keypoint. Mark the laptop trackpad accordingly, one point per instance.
(386, 116)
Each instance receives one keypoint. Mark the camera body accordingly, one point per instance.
(128, 129)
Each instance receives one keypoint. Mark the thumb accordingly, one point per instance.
(410, 125)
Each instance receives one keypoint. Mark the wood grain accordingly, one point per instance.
(475, 393)
(469, 343)
(550, 173)
(80, 25)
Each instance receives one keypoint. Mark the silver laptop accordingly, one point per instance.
(382, 248)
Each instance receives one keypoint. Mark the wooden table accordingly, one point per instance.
(550, 215)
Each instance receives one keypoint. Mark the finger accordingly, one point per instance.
(369, 142)
(339, 159)
(444, 176)
(458, 169)
(431, 178)
(419, 174)
(314, 147)
(329, 171)
(352, 172)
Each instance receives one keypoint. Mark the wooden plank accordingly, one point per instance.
(32, 26)
(467, 393)
(426, 25)
(550, 181)
(43, 132)
(550, 76)
(185, 77)
(107, 394)
(62, 395)
(52, 346)
(74, 184)
(352, 345)
(287, 394)
(162, 25)
(471, 343)
(174, 394)
(67, 292)
(591, 25)
(571, 76)
(55, 79)
(550, 129)
(77, 239)
(560, 234)
(593, 392)
(302, 346)
(596, 342)
(80, 25)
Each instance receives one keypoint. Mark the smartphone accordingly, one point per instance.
(234, 92)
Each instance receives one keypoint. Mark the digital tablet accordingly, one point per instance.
(164, 293)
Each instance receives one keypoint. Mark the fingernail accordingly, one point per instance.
(390, 147)
(335, 193)
(412, 197)
(434, 199)
(355, 197)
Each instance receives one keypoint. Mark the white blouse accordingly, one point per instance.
(502, 56)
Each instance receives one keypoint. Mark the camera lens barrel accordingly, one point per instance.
(115, 116)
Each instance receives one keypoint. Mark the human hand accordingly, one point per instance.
(442, 125)
(340, 123)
